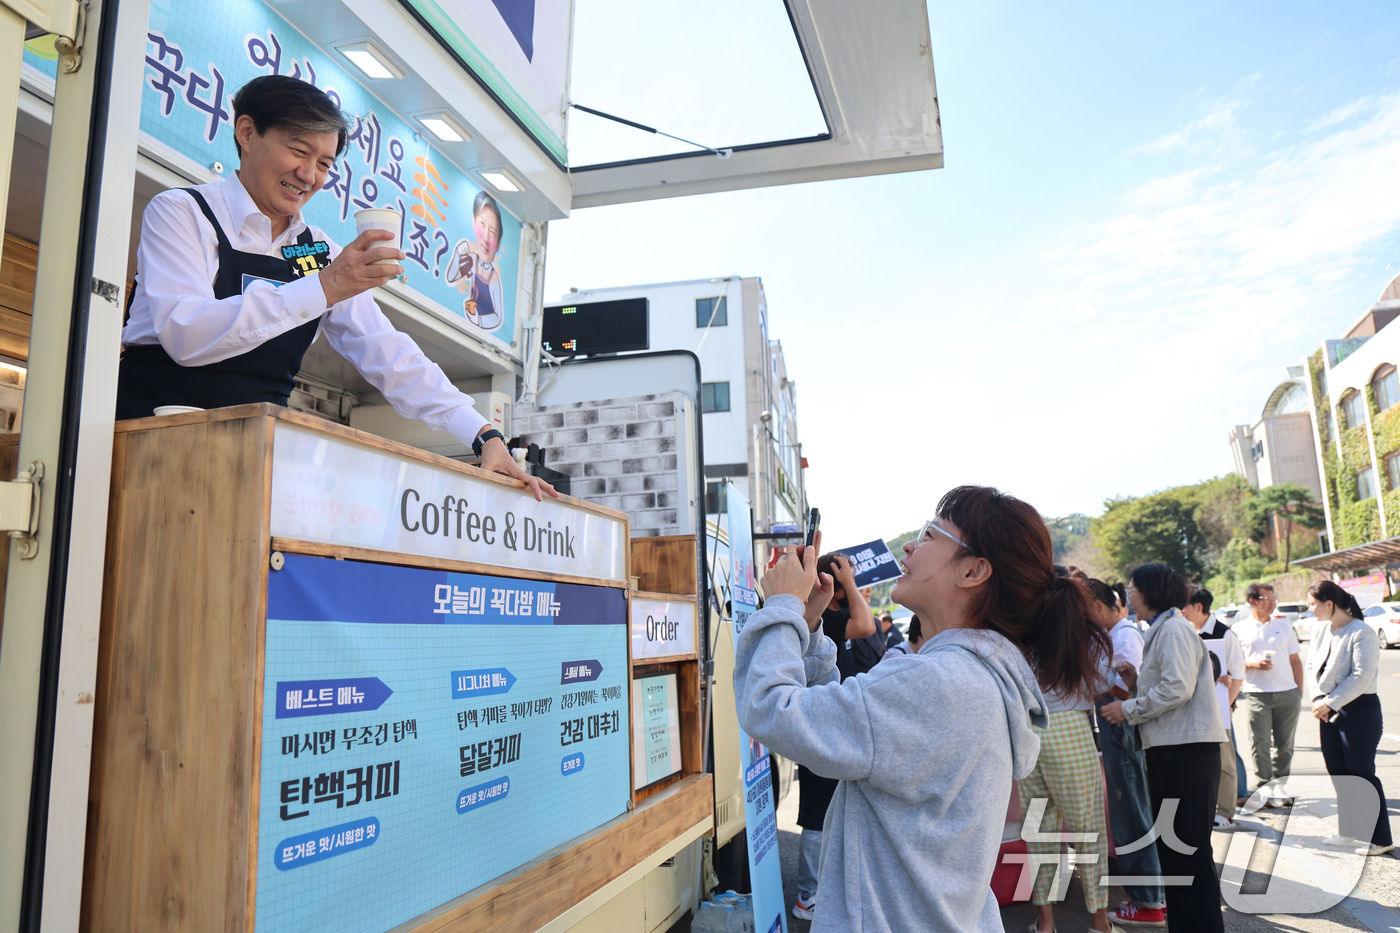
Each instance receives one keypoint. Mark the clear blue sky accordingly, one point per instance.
(1147, 212)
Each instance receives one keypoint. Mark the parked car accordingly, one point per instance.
(1303, 626)
(1228, 614)
(1290, 611)
(1385, 619)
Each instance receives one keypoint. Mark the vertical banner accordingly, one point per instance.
(765, 870)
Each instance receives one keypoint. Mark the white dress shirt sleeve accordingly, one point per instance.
(392, 363)
(193, 326)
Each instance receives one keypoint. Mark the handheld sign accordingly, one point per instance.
(872, 563)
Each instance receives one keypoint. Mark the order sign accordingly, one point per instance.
(662, 628)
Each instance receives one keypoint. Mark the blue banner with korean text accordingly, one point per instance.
(423, 734)
(760, 817)
(463, 247)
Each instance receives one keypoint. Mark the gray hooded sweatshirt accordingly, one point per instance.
(925, 746)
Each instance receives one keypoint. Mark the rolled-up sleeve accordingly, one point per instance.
(789, 695)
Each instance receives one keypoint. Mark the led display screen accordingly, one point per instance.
(596, 327)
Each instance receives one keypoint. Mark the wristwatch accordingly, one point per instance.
(485, 436)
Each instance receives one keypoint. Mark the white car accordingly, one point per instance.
(1303, 626)
(1385, 619)
(1229, 614)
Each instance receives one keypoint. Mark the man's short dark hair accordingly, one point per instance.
(279, 100)
(1162, 588)
(1201, 597)
(1256, 590)
(916, 628)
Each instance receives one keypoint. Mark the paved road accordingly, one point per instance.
(1250, 859)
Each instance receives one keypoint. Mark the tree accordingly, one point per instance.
(1066, 533)
(1222, 512)
(1159, 527)
(1287, 504)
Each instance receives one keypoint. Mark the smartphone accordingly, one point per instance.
(814, 521)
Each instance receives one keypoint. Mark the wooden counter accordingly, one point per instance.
(173, 839)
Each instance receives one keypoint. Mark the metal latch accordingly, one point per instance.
(19, 509)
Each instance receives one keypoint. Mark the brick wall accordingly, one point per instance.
(620, 453)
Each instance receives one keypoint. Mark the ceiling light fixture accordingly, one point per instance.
(445, 127)
(371, 60)
(501, 180)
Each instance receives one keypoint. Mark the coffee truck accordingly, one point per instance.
(309, 668)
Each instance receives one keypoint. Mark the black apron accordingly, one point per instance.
(148, 377)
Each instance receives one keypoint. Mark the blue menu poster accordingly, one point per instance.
(760, 819)
(424, 732)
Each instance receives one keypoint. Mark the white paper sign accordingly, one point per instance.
(662, 628)
(338, 492)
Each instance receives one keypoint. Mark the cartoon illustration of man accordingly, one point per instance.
(472, 267)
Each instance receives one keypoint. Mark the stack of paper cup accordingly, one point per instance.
(380, 218)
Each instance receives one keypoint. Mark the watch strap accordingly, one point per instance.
(480, 441)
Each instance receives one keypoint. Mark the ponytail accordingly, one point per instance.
(1329, 592)
(1046, 615)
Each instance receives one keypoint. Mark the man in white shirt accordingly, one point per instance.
(1273, 686)
(1224, 644)
(232, 285)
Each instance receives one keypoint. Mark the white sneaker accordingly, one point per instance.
(1372, 849)
(802, 910)
(1223, 825)
(1341, 842)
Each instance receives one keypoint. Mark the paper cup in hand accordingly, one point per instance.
(380, 218)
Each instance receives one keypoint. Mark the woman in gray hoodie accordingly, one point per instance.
(911, 837)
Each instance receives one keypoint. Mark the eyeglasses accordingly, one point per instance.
(930, 526)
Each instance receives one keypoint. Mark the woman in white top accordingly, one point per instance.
(1342, 668)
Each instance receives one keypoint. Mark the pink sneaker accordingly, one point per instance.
(802, 910)
(1128, 912)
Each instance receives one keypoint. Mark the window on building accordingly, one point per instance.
(1327, 427)
(716, 497)
(1386, 389)
(1354, 408)
(712, 312)
(1257, 451)
(1366, 484)
(1392, 470)
(714, 396)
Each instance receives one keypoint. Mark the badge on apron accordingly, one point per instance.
(306, 258)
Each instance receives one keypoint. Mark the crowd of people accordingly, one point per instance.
(1115, 725)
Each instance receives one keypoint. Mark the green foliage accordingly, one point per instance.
(1356, 522)
(1287, 504)
(1242, 562)
(1223, 512)
(1331, 461)
(1159, 527)
(1066, 533)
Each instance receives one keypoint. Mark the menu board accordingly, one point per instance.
(424, 732)
(657, 743)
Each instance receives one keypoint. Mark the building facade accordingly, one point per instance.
(1279, 448)
(1352, 384)
(748, 403)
